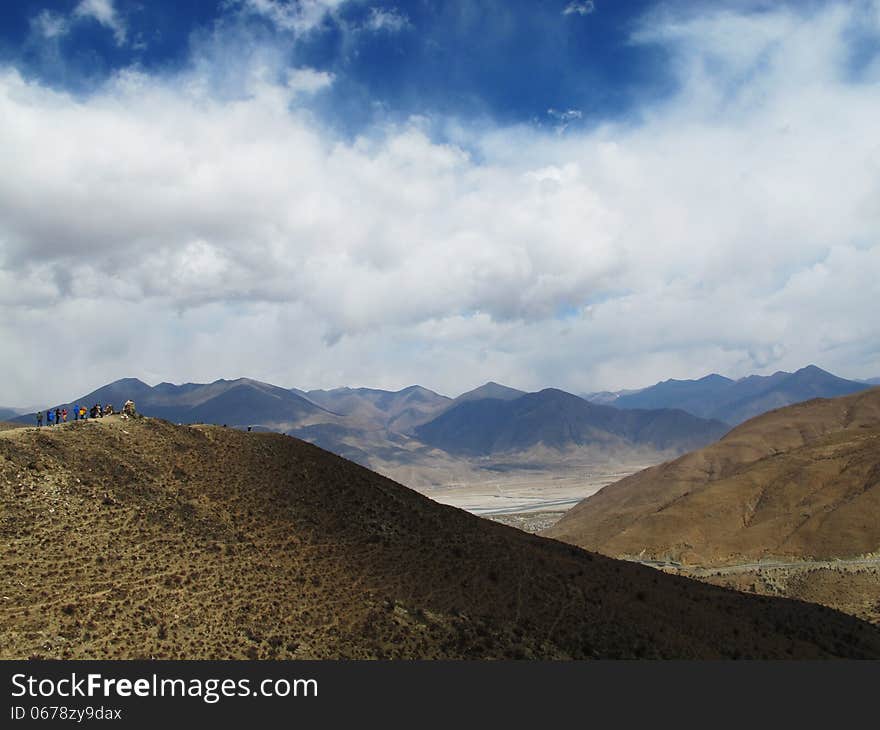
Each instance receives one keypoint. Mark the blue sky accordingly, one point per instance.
(590, 195)
(511, 61)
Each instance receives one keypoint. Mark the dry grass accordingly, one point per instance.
(143, 539)
(800, 483)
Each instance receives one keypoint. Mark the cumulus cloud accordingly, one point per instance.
(161, 229)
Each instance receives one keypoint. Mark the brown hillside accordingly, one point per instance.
(800, 482)
(144, 539)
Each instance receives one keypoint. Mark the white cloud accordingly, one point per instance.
(308, 80)
(565, 118)
(299, 16)
(390, 21)
(302, 16)
(579, 7)
(105, 13)
(160, 229)
(50, 25)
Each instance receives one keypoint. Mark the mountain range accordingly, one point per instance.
(409, 426)
(421, 436)
(239, 402)
(397, 411)
(734, 401)
(556, 419)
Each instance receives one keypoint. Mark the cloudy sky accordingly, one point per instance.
(589, 195)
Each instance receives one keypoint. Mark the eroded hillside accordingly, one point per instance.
(144, 539)
(786, 504)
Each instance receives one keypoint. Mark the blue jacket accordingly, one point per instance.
(50, 416)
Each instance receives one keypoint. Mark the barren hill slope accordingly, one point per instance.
(144, 539)
(801, 482)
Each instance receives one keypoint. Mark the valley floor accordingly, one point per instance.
(533, 522)
(522, 494)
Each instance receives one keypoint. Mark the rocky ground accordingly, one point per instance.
(853, 589)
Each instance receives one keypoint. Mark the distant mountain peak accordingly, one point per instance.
(129, 382)
(812, 370)
(556, 393)
(237, 380)
(491, 390)
(417, 389)
(714, 378)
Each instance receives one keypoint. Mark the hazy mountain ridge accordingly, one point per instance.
(559, 420)
(735, 401)
(394, 410)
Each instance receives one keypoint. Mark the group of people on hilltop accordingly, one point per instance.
(80, 413)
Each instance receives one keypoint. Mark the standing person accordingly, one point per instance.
(49, 418)
(57, 416)
(76, 412)
(64, 415)
(82, 413)
(39, 419)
